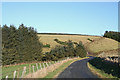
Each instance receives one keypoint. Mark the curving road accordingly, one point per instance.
(78, 69)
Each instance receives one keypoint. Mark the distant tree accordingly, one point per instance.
(70, 48)
(80, 50)
(106, 31)
(113, 35)
(56, 40)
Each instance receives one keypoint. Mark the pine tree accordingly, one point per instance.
(20, 45)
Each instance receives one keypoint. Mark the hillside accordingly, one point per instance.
(49, 39)
(97, 45)
(103, 44)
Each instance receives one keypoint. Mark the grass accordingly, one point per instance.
(97, 44)
(103, 68)
(106, 66)
(56, 72)
(104, 44)
(8, 71)
(52, 74)
(49, 39)
(99, 72)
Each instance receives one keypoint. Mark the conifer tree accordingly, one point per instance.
(20, 45)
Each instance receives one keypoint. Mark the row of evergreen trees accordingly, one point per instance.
(20, 45)
(113, 35)
(68, 50)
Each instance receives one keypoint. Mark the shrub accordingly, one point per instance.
(80, 50)
(66, 51)
(47, 45)
(89, 39)
(60, 42)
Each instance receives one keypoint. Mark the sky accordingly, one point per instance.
(91, 18)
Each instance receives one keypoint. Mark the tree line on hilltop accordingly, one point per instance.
(22, 44)
(113, 35)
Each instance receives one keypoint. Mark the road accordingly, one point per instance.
(78, 69)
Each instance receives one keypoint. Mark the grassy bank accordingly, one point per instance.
(103, 44)
(103, 68)
(56, 72)
(99, 72)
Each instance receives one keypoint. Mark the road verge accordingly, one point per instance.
(99, 72)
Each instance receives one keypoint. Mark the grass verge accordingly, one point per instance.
(56, 72)
(99, 72)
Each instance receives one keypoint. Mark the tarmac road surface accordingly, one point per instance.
(78, 69)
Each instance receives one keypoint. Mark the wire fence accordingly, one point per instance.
(23, 70)
(20, 71)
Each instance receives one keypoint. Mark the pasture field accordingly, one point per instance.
(103, 44)
(97, 45)
(49, 39)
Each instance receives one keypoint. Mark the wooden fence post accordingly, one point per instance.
(24, 70)
(33, 69)
(44, 68)
(58, 61)
(55, 61)
(7, 77)
(43, 65)
(14, 74)
(29, 68)
(67, 57)
(37, 66)
(47, 64)
(40, 66)
(18, 73)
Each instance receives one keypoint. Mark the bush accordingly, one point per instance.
(60, 42)
(68, 50)
(56, 40)
(89, 39)
(46, 46)
(80, 50)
